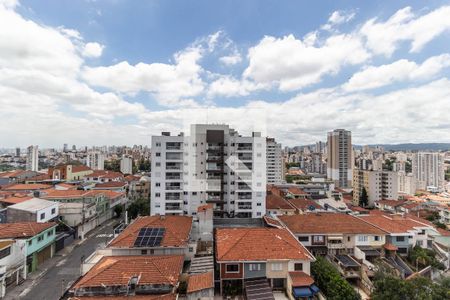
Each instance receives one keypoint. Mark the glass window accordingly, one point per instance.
(303, 238)
(254, 267)
(277, 267)
(298, 267)
(232, 268)
(42, 216)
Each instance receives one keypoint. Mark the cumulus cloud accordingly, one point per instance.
(292, 64)
(400, 70)
(228, 86)
(171, 84)
(232, 59)
(385, 37)
(338, 17)
(93, 50)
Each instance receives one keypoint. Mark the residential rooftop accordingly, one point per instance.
(32, 205)
(23, 229)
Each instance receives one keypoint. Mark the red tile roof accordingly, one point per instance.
(15, 199)
(390, 247)
(296, 191)
(27, 187)
(204, 207)
(198, 282)
(23, 229)
(80, 168)
(117, 271)
(111, 184)
(124, 297)
(304, 204)
(300, 278)
(277, 202)
(272, 222)
(392, 223)
(392, 203)
(177, 231)
(326, 223)
(105, 174)
(258, 244)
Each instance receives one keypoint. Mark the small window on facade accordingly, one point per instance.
(53, 211)
(42, 216)
(303, 238)
(157, 195)
(232, 268)
(298, 267)
(158, 154)
(143, 252)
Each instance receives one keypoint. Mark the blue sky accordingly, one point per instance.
(116, 72)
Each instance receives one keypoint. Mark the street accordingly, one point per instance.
(62, 270)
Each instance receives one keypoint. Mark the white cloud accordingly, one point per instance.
(292, 64)
(228, 86)
(232, 59)
(338, 17)
(169, 83)
(400, 70)
(384, 37)
(9, 3)
(93, 50)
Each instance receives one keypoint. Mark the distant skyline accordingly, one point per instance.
(116, 72)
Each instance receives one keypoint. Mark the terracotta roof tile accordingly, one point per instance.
(258, 244)
(300, 278)
(198, 282)
(15, 199)
(296, 191)
(325, 223)
(392, 223)
(272, 222)
(111, 184)
(27, 187)
(117, 271)
(177, 231)
(123, 297)
(277, 202)
(304, 204)
(23, 229)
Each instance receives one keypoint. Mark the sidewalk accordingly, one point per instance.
(19, 291)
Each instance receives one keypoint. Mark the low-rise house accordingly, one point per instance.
(200, 286)
(131, 277)
(16, 176)
(402, 231)
(101, 176)
(150, 235)
(27, 188)
(276, 205)
(138, 187)
(390, 205)
(33, 210)
(304, 205)
(266, 254)
(69, 172)
(38, 239)
(12, 263)
(118, 186)
(334, 233)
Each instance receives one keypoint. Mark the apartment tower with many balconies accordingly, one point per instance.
(339, 158)
(213, 165)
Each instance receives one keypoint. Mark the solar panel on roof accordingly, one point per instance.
(149, 237)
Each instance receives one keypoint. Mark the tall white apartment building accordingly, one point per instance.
(274, 162)
(340, 158)
(379, 185)
(32, 158)
(126, 165)
(95, 160)
(406, 183)
(428, 170)
(213, 165)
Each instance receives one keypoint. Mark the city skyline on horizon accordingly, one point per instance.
(107, 80)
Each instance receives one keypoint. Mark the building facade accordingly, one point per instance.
(32, 158)
(339, 158)
(126, 165)
(274, 162)
(428, 170)
(379, 185)
(214, 165)
(95, 160)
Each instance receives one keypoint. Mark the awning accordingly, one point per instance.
(335, 238)
(302, 292)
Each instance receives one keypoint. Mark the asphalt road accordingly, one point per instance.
(67, 270)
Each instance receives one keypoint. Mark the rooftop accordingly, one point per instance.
(117, 270)
(277, 202)
(304, 204)
(328, 223)
(15, 199)
(258, 244)
(27, 187)
(124, 297)
(198, 282)
(23, 229)
(393, 223)
(33, 205)
(177, 231)
(300, 278)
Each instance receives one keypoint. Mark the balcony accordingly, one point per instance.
(173, 146)
(173, 187)
(245, 147)
(174, 156)
(335, 245)
(174, 166)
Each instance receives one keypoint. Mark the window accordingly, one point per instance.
(376, 238)
(5, 252)
(50, 233)
(158, 154)
(303, 238)
(53, 211)
(143, 252)
(400, 239)
(40, 238)
(254, 267)
(30, 242)
(158, 145)
(318, 239)
(258, 204)
(234, 268)
(191, 249)
(277, 267)
(158, 164)
(258, 214)
(42, 216)
(362, 238)
(157, 195)
(298, 267)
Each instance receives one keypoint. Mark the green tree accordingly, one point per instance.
(118, 209)
(363, 198)
(331, 282)
(139, 207)
(112, 165)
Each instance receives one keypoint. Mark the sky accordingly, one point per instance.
(117, 72)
